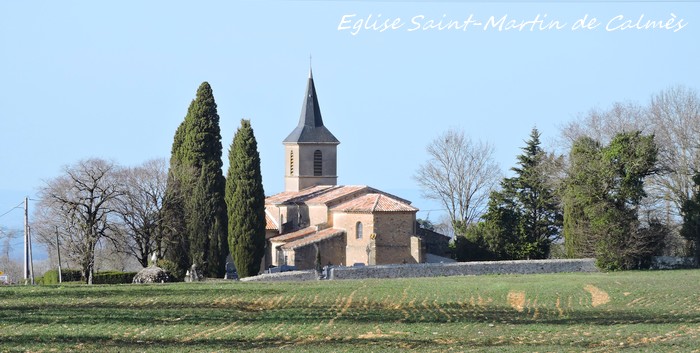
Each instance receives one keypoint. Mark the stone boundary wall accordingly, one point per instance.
(464, 269)
(671, 262)
(309, 275)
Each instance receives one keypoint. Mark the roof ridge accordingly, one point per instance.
(376, 202)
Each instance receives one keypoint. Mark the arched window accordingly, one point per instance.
(358, 230)
(291, 162)
(318, 163)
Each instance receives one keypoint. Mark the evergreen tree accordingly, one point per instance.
(245, 199)
(196, 188)
(523, 217)
(691, 218)
(582, 188)
(503, 221)
(540, 218)
(173, 216)
(603, 191)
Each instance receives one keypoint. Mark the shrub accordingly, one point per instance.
(176, 274)
(51, 276)
(113, 277)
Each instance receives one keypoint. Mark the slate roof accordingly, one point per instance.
(374, 202)
(315, 238)
(310, 128)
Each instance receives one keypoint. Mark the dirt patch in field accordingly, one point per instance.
(517, 300)
(371, 335)
(598, 296)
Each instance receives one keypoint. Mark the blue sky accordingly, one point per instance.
(114, 79)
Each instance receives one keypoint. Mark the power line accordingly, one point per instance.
(12, 209)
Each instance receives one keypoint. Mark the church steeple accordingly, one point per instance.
(310, 128)
(311, 149)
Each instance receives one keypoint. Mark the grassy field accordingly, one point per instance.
(635, 311)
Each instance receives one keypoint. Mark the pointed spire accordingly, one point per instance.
(311, 74)
(310, 128)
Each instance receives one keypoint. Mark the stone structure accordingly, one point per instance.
(291, 276)
(434, 242)
(438, 270)
(672, 262)
(465, 269)
(152, 274)
(348, 224)
(194, 274)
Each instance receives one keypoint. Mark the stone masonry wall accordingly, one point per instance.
(332, 251)
(284, 276)
(393, 237)
(356, 249)
(464, 269)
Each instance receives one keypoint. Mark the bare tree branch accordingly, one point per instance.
(460, 174)
(80, 205)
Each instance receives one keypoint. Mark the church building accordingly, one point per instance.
(345, 224)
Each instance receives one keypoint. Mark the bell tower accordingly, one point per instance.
(310, 149)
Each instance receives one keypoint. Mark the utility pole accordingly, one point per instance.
(58, 250)
(28, 263)
(25, 274)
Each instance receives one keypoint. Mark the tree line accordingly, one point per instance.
(625, 187)
(184, 215)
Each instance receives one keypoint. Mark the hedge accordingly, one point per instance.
(113, 277)
(104, 277)
(68, 275)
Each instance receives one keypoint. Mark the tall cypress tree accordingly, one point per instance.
(245, 199)
(196, 185)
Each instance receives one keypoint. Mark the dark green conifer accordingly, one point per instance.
(196, 184)
(245, 199)
(691, 218)
(523, 217)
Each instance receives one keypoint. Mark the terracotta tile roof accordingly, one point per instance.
(314, 238)
(294, 235)
(375, 203)
(270, 223)
(336, 193)
(296, 196)
(326, 194)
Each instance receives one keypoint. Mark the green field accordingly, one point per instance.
(635, 311)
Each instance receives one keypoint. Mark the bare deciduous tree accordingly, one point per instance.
(79, 205)
(139, 208)
(674, 117)
(460, 174)
(603, 124)
(9, 266)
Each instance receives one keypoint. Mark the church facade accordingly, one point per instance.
(344, 224)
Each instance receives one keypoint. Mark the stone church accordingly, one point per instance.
(346, 224)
